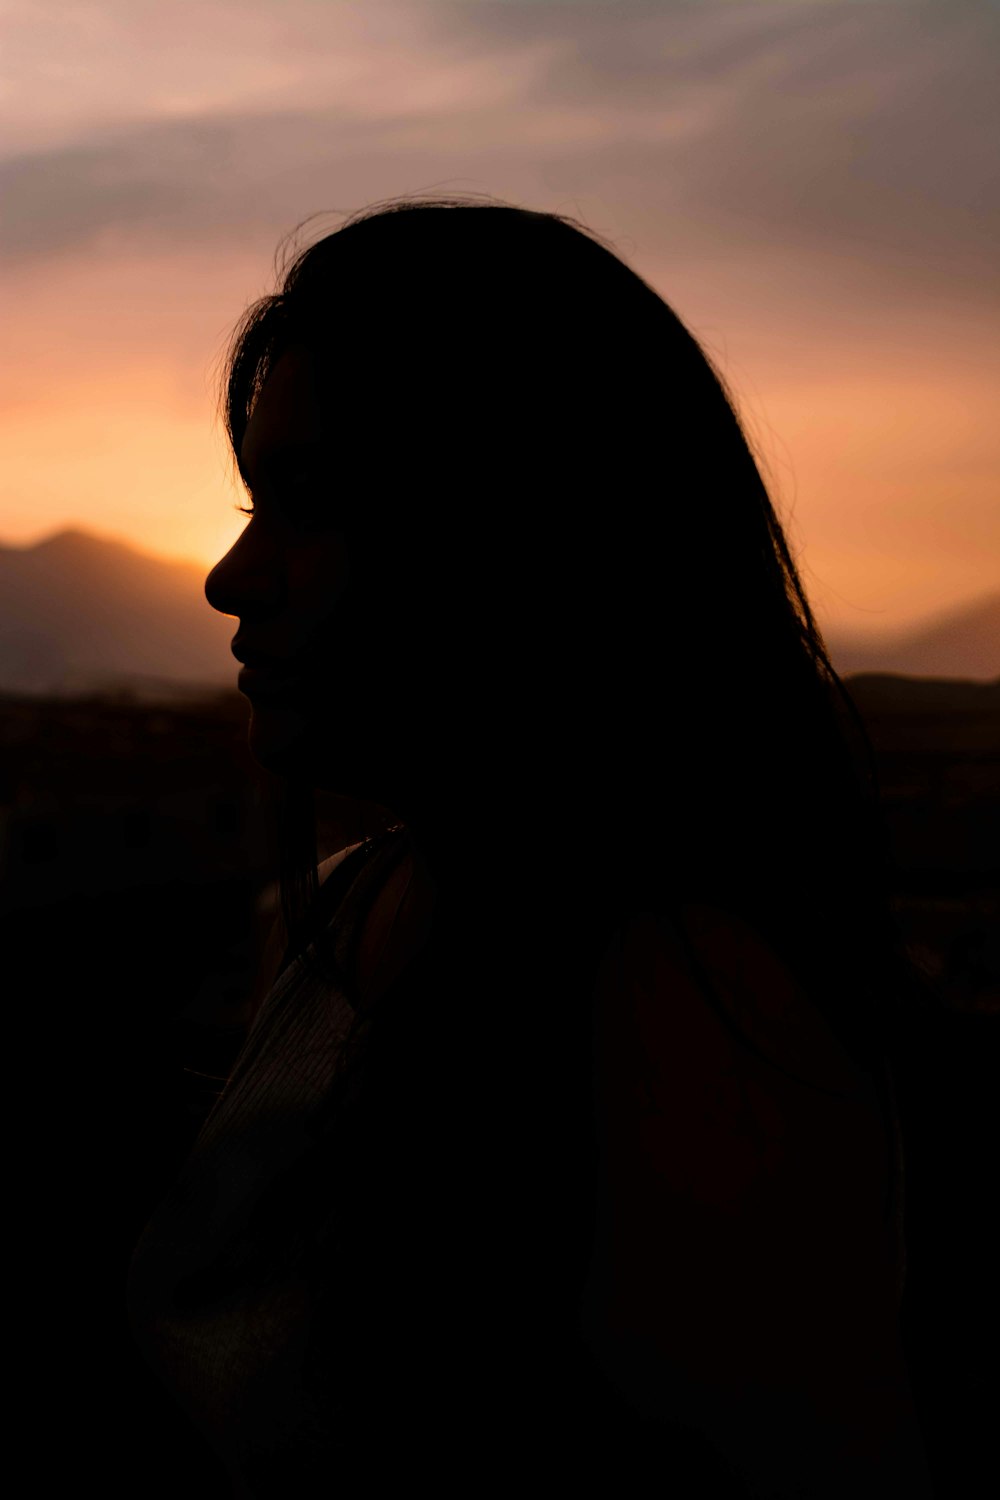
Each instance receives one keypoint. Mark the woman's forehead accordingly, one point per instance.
(326, 406)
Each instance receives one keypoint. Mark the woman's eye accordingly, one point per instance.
(300, 502)
(304, 502)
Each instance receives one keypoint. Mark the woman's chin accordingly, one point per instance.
(279, 739)
(289, 743)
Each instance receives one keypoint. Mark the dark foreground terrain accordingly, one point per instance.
(136, 876)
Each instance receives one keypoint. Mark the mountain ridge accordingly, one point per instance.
(78, 609)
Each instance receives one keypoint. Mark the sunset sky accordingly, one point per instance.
(812, 185)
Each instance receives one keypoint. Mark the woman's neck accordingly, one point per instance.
(467, 846)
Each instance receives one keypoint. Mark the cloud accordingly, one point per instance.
(857, 134)
(172, 182)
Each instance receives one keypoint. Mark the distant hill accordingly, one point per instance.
(883, 694)
(960, 643)
(80, 612)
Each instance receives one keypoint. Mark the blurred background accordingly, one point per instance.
(812, 187)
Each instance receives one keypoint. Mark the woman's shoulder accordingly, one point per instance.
(745, 1242)
(789, 1117)
(665, 961)
(788, 1125)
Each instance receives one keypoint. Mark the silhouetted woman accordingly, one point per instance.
(563, 1147)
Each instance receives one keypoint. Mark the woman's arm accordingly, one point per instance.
(746, 1281)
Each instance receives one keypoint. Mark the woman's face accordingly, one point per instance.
(319, 672)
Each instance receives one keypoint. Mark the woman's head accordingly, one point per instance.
(504, 514)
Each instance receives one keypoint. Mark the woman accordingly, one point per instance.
(563, 1143)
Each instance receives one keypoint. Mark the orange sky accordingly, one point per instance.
(811, 186)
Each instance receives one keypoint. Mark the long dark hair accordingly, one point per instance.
(698, 642)
(572, 438)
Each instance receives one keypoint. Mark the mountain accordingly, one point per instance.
(958, 643)
(80, 612)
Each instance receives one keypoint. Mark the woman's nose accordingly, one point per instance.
(248, 578)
